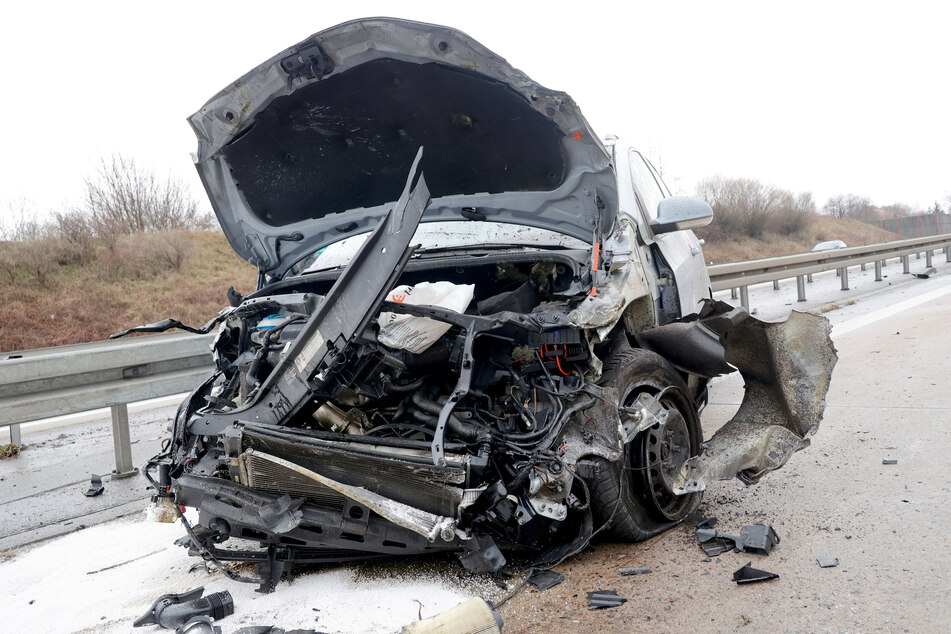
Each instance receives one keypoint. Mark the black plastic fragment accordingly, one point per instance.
(825, 561)
(604, 599)
(758, 539)
(702, 522)
(173, 610)
(890, 461)
(748, 574)
(95, 486)
(714, 542)
(634, 571)
(545, 579)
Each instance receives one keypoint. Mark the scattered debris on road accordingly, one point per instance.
(95, 486)
(173, 610)
(545, 579)
(748, 574)
(926, 274)
(825, 561)
(890, 461)
(604, 599)
(758, 539)
(634, 571)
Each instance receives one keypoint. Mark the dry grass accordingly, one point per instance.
(138, 284)
(9, 450)
(852, 232)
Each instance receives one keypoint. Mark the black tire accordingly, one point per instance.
(645, 504)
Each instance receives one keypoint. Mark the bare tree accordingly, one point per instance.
(851, 206)
(741, 206)
(124, 198)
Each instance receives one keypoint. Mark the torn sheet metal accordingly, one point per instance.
(787, 367)
(426, 524)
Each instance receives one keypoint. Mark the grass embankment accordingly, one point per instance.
(144, 281)
(853, 232)
(133, 286)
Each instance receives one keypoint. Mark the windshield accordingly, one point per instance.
(443, 235)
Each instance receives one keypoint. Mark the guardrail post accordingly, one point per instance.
(863, 266)
(775, 285)
(15, 434)
(878, 270)
(928, 258)
(845, 278)
(809, 278)
(801, 288)
(884, 262)
(745, 297)
(734, 293)
(918, 255)
(120, 438)
(905, 264)
(947, 254)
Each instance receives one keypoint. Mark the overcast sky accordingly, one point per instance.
(822, 97)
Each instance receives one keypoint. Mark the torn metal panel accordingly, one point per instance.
(426, 524)
(787, 367)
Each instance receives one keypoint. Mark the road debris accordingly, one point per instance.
(889, 461)
(604, 599)
(634, 571)
(825, 561)
(545, 579)
(748, 574)
(701, 521)
(474, 615)
(173, 610)
(758, 539)
(95, 486)
(926, 274)
(199, 625)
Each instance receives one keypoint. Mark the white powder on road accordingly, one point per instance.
(49, 588)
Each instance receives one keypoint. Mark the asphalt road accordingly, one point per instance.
(887, 524)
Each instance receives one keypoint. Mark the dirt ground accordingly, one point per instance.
(887, 524)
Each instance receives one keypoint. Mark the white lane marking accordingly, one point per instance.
(882, 313)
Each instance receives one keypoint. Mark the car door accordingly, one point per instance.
(680, 249)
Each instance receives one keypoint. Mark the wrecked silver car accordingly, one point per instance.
(477, 328)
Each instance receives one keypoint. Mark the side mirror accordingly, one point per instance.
(679, 213)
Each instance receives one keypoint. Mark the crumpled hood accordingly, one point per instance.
(313, 145)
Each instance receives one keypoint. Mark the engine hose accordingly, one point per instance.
(466, 431)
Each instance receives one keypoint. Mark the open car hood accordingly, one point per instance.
(313, 145)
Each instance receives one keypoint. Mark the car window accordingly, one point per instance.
(648, 190)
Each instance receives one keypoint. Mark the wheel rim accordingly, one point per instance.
(657, 456)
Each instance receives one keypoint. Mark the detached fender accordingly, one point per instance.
(787, 367)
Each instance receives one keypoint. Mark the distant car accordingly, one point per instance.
(828, 245)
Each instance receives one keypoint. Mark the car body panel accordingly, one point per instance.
(306, 148)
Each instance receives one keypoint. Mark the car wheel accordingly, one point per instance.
(642, 503)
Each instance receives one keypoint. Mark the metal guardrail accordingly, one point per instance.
(37, 384)
(739, 276)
